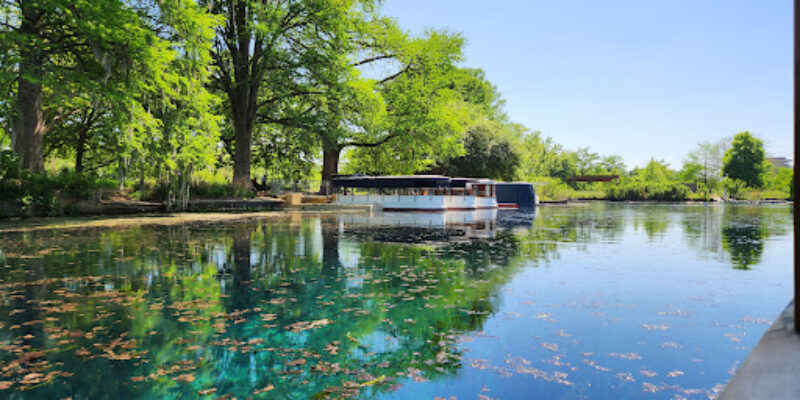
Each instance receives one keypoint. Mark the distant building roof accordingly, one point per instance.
(780, 162)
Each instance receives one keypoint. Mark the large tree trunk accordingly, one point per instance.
(30, 126)
(243, 103)
(243, 91)
(80, 149)
(243, 134)
(330, 164)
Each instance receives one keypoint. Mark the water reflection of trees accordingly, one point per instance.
(578, 226)
(654, 219)
(736, 231)
(166, 312)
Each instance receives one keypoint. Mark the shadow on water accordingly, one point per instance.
(299, 307)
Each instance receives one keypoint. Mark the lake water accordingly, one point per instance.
(586, 301)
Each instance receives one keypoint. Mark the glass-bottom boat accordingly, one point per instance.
(415, 192)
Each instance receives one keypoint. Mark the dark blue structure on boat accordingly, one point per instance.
(516, 195)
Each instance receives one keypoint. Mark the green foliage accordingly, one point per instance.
(774, 195)
(205, 190)
(284, 154)
(704, 164)
(9, 165)
(733, 187)
(42, 194)
(654, 172)
(587, 162)
(691, 173)
(648, 190)
(552, 189)
(485, 156)
(543, 157)
(612, 164)
(778, 179)
(745, 160)
(421, 115)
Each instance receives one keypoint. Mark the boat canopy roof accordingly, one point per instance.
(398, 181)
(462, 182)
(404, 181)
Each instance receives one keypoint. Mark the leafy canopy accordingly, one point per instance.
(745, 160)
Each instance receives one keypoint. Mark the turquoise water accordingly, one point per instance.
(592, 301)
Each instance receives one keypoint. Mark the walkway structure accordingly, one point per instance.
(594, 178)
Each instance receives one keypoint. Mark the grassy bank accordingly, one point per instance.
(557, 191)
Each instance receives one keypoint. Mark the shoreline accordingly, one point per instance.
(37, 224)
(750, 202)
(10, 225)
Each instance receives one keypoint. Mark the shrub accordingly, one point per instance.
(9, 165)
(74, 184)
(638, 190)
(39, 193)
(552, 189)
(734, 187)
(205, 190)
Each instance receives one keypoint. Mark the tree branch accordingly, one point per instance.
(369, 144)
(372, 59)
(395, 76)
(295, 94)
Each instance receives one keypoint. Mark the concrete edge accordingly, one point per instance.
(772, 368)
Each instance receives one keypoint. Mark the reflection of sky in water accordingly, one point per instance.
(584, 301)
(653, 311)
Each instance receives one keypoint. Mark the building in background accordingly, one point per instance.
(780, 162)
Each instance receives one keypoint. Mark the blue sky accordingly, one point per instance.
(637, 78)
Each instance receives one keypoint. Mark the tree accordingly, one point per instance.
(54, 55)
(540, 156)
(284, 153)
(778, 179)
(268, 55)
(745, 160)
(613, 164)
(587, 161)
(179, 129)
(403, 122)
(655, 171)
(704, 163)
(486, 155)
(492, 145)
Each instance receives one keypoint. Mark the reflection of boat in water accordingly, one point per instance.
(420, 220)
(470, 224)
(439, 226)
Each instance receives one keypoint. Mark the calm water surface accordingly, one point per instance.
(583, 301)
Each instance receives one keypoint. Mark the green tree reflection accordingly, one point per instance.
(294, 306)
